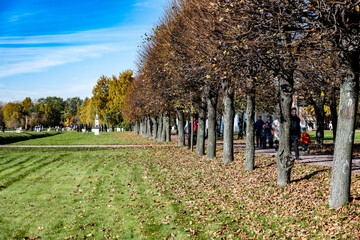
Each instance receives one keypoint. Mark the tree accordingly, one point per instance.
(12, 114)
(53, 109)
(338, 23)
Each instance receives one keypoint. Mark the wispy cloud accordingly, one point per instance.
(92, 36)
(17, 57)
(18, 17)
(149, 4)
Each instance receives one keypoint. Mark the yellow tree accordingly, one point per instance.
(9, 110)
(117, 90)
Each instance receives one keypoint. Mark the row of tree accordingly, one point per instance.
(108, 99)
(254, 52)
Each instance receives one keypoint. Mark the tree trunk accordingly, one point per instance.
(211, 145)
(149, 128)
(320, 118)
(167, 127)
(155, 127)
(228, 138)
(192, 133)
(241, 125)
(341, 171)
(181, 133)
(160, 128)
(163, 130)
(200, 140)
(142, 128)
(218, 124)
(285, 160)
(250, 126)
(137, 127)
(334, 115)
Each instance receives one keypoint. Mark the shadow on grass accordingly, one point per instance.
(8, 138)
(310, 175)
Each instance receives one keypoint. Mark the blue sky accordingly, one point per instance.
(61, 47)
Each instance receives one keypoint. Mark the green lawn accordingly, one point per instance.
(62, 194)
(163, 193)
(328, 136)
(75, 138)
(6, 138)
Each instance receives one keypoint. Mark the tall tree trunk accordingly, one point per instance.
(137, 127)
(241, 125)
(192, 133)
(341, 171)
(334, 115)
(320, 118)
(200, 140)
(160, 128)
(228, 101)
(250, 126)
(167, 127)
(145, 127)
(218, 124)
(149, 127)
(142, 128)
(181, 132)
(155, 127)
(163, 130)
(211, 145)
(285, 160)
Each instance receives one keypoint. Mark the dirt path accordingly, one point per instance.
(305, 158)
(314, 159)
(83, 146)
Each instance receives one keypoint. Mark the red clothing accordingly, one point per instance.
(195, 126)
(305, 138)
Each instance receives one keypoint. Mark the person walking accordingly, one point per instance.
(305, 140)
(295, 131)
(263, 136)
(276, 133)
(258, 127)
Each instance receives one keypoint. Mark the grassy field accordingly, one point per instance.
(83, 193)
(6, 138)
(164, 193)
(74, 138)
(328, 136)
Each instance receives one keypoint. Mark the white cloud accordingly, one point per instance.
(92, 36)
(69, 48)
(17, 17)
(26, 60)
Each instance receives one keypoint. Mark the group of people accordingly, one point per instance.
(269, 132)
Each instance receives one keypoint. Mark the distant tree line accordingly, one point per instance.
(107, 99)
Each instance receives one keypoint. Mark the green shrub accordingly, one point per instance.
(125, 125)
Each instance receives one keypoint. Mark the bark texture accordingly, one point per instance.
(250, 127)
(181, 125)
(228, 101)
(160, 127)
(285, 160)
(211, 145)
(167, 127)
(148, 127)
(155, 127)
(200, 140)
(341, 171)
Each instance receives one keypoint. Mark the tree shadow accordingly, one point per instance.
(309, 175)
(354, 199)
(268, 165)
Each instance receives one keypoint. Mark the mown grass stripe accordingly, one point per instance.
(22, 165)
(27, 172)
